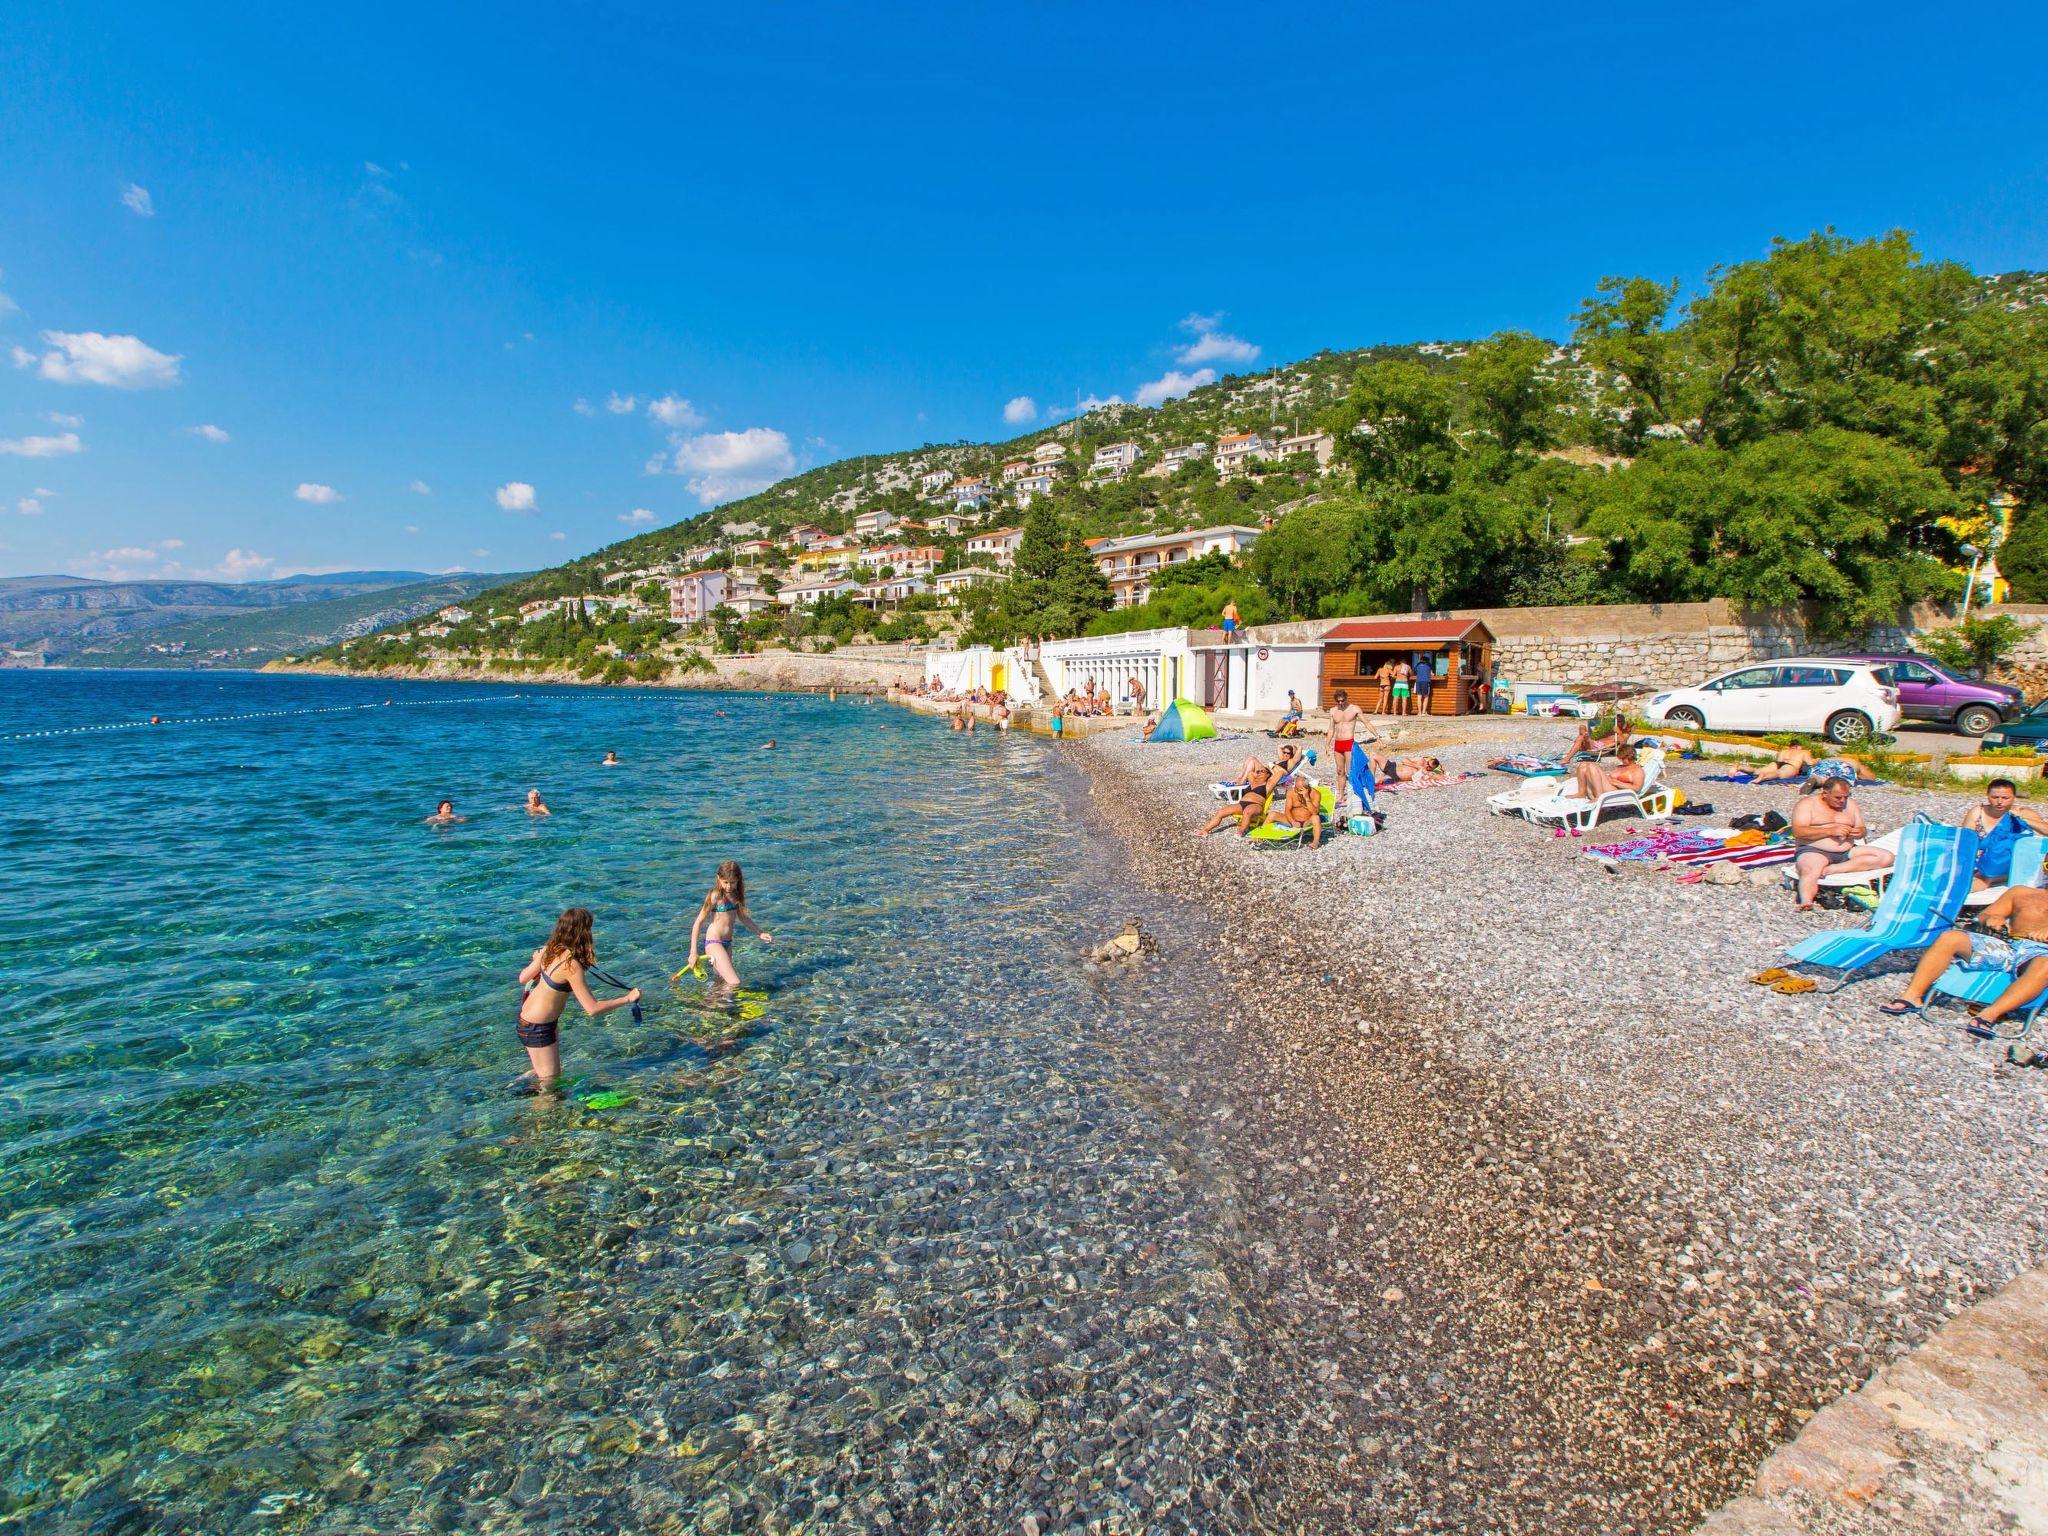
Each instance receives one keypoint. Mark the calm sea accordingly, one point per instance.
(907, 1239)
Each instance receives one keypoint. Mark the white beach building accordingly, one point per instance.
(979, 666)
(1160, 659)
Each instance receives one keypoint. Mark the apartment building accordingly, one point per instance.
(1016, 469)
(1321, 444)
(950, 584)
(1049, 452)
(1130, 564)
(872, 525)
(1237, 450)
(933, 481)
(971, 491)
(693, 595)
(998, 545)
(1114, 459)
(1186, 453)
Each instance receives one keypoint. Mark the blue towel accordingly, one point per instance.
(1363, 785)
(1994, 854)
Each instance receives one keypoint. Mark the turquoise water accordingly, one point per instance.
(910, 1241)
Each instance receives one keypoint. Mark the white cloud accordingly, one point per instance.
(637, 515)
(412, 527)
(319, 495)
(517, 496)
(674, 412)
(30, 506)
(210, 432)
(558, 537)
(42, 447)
(1020, 410)
(244, 564)
(59, 419)
(420, 488)
(88, 357)
(137, 200)
(1212, 344)
(621, 405)
(170, 543)
(1216, 347)
(584, 408)
(1173, 385)
(128, 554)
(722, 466)
(481, 554)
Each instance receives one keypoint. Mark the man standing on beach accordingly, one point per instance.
(1424, 677)
(1347, 729)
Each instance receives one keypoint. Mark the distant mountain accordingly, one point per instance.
(62, 615)
(251, 637)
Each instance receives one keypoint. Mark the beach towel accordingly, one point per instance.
(1651, 847)
(1994, 854)
(1740, 776)
(1524, 766)
(1364, 787)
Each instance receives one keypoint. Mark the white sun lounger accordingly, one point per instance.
(1655, 800)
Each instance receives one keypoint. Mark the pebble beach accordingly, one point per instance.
(1568, 1225)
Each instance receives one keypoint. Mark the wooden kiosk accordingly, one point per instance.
(1458, 650)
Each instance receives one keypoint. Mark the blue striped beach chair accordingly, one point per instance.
(1929, 881)
(1968, 986)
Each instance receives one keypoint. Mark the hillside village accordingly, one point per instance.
(894, 543)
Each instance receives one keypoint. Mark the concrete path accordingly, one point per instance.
(1952, 1440)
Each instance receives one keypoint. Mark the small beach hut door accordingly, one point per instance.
(1216, 689)
(999, 677)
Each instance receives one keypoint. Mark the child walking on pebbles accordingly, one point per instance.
(718, 919)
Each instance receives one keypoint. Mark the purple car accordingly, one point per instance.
(1930, 691)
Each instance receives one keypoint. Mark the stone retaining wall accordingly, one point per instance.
(1675, 644)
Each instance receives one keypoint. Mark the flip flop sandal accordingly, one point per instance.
(1792, 986)
(1991, 1029)
(1761, 978)
(1899, 1008)
(2025, 1056)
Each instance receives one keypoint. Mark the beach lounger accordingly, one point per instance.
(1275, 834)
(1531, 791)
(1654, 800)
(1968, 986)
(1876, 879)
(1929, 881)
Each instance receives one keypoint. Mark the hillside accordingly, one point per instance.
(61, 614)
(249, 638)
(1293, 397)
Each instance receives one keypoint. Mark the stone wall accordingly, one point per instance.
(1675, 644)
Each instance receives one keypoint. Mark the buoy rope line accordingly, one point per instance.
(266, 714)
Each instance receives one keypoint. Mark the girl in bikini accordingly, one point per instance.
(718, 919)
(552, 976)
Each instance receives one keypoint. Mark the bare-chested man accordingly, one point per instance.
(1347, 730)
(2019, 950)
(1829, 830)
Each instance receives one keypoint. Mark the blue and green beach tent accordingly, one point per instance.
(1183, 721)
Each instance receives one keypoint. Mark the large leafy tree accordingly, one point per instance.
(1827, 515)
(1055, 588)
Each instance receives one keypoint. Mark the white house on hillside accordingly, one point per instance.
(1015, 469)
(971, 491)
(1186, 453)
(1321, 444)
(808, 594)
(1237, 450)
(933, 481)
(1049, 452)
(1114, 459)
(692, 597)
(1130, 564)
(998, 544)
(950, 584)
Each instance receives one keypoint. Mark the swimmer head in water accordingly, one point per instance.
(535, 806)
(611, 760)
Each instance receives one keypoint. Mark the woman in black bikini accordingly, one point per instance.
(551, 976)
(718, 920)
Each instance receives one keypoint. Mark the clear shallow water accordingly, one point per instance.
(917, 1248)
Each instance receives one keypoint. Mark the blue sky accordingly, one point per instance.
(383, 252)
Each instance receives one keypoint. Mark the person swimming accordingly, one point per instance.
(718, 919)
(554, 975)
(611, 760)
(444, 815)
(535, 806)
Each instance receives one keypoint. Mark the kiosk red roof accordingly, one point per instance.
(1404, 631)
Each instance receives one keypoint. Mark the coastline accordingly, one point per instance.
(767, 672)
(1570, 1225)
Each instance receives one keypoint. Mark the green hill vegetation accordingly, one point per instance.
(1831, 423)
(253, 637)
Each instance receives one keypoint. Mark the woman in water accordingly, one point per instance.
(554, 974)
(718, 920)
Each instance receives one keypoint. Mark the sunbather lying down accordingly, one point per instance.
(2018, 950)
(1249, 807)
(1791, 763)
(1388, 769)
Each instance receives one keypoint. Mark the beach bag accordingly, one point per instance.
(1360, 826)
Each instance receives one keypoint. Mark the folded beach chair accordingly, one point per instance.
(1929, 881)
(2027, 852)
(1531, 791)
(1655, 800)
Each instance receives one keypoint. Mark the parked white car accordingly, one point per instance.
(1845, 701)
